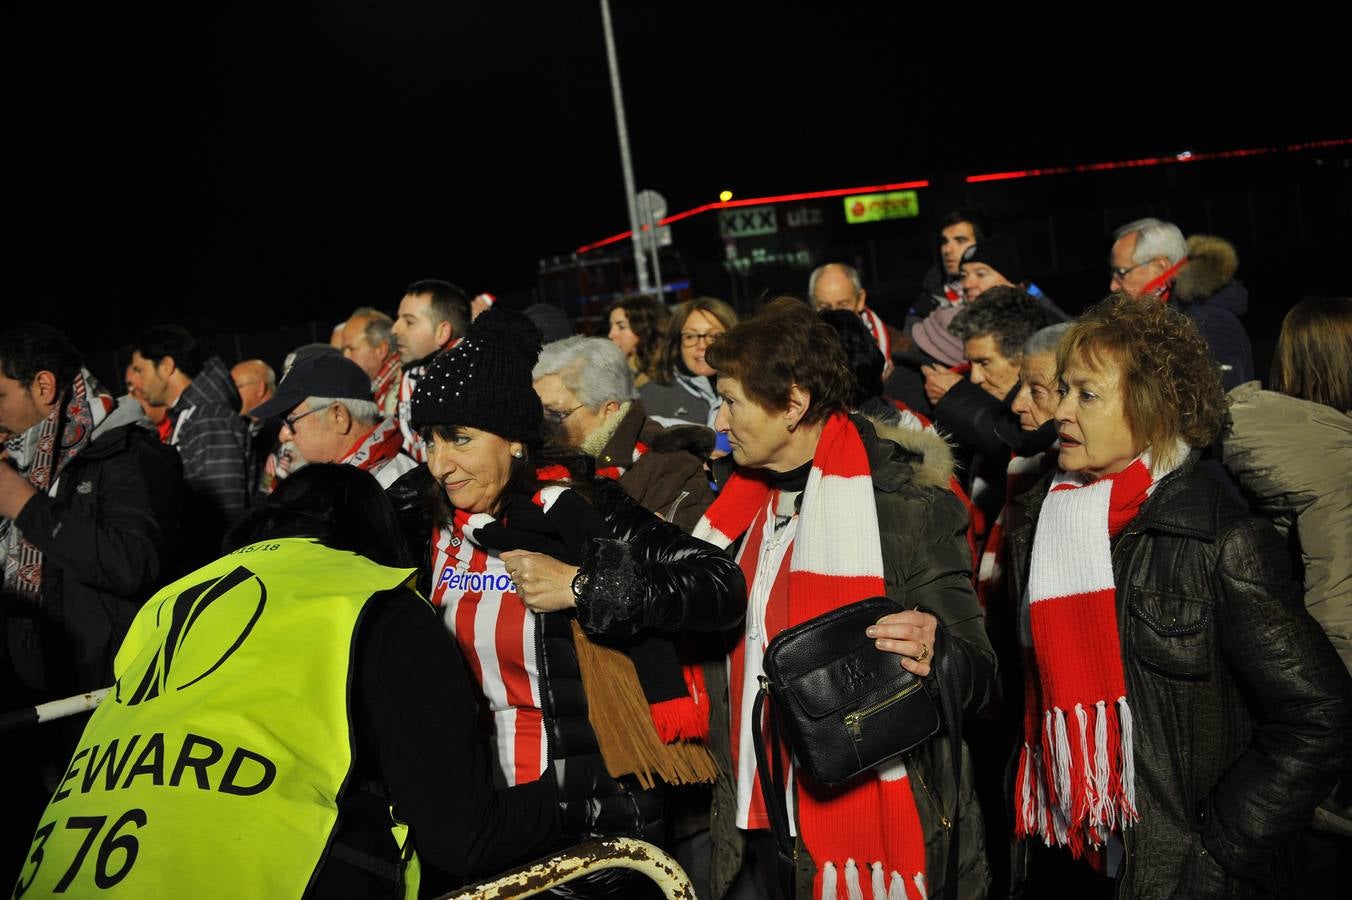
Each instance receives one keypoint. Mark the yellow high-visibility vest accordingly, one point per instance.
(215, 766)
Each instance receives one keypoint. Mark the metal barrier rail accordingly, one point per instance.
(562, 867)
(56, 709)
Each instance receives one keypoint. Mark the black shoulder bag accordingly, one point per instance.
(845, 706)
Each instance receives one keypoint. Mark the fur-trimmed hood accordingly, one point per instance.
(695, 439)
(1212, 263)
(936, 466)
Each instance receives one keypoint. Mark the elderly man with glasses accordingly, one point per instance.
(1150, 259)
(590, 404)
(326, 408)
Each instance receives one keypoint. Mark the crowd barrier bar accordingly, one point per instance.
(54, 709)
(582, 859)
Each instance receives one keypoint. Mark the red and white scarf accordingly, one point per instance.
(878, 328)
(382, 443)
(836, 558)
(615, 473)
(385, 386)
(1076, 781)
(1022, 473)
(41, 454)
(413, 442)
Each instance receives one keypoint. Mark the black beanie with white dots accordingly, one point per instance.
(485, 380)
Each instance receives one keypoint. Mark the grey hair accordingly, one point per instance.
(849, 272)
(379, 327)
(1047, 339)
(1154, 237)
(593, 368)
(1008, 314)
(363, 411)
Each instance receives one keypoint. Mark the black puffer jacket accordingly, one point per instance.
(109, 538)
(652, 576)
(1242, 710)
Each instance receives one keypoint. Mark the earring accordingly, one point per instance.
(518, 454)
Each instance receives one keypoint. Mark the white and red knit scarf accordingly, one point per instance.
(871, 823)
(413, 442)
(615, 473)
(382, 443)
(1022, 473)
(40, 454)
(878, 328)
(385, 386)
(1076, 781)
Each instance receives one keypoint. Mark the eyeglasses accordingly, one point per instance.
(291, 421)
(691, 338)
(556, 417)
(1121, 274)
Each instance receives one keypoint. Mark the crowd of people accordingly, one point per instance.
(461, 588)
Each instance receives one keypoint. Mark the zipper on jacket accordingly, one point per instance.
(854, 720)
(546, 717)
(944, 820)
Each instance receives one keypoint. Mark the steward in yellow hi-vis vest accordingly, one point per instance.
(216, 765)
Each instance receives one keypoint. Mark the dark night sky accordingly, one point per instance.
(215, 163)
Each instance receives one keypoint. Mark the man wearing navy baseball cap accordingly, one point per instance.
(326, 409)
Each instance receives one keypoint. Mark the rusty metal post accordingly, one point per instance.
(562, 867)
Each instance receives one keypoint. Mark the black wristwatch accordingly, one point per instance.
(579, 584)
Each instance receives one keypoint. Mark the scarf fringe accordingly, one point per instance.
(679, 719)
(1078, 786)
(618, 713)
(881, 884)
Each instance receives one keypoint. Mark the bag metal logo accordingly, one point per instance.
(223, 610)
(854, 674)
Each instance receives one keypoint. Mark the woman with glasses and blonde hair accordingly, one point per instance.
(682, 386)
(1184, 713)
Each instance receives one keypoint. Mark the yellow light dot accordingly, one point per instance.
(724, 196)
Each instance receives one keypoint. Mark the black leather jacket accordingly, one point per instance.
(1242, 710)
(652, 575)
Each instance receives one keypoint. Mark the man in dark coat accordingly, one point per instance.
(1150, 258)
(89, 528)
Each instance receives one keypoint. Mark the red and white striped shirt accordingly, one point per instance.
(497, 635)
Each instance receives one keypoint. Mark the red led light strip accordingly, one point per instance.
(756, 201)
(1154, 161)
(989, 176)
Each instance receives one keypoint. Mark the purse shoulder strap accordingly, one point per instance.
(945, 670)
(772, 782)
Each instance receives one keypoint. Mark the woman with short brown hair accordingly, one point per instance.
(1183, 707)
(823, 511)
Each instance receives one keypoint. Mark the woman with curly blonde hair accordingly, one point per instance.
(1184, 714)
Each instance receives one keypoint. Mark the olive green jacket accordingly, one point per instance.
(927, 563)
